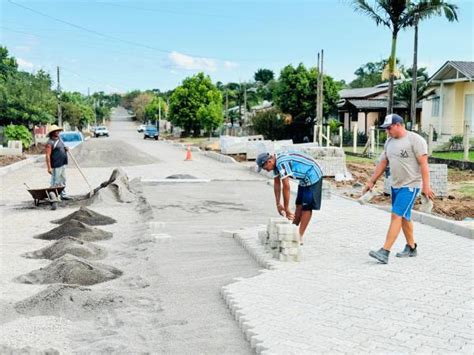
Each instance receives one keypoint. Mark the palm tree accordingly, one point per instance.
(403, 95)
(398, 15)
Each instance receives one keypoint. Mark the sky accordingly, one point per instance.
(118, 46)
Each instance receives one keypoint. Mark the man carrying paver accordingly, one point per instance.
(407, 154)
(299, 166)
(56, 159)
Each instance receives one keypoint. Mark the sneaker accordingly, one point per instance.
(381, 255)
(408, 252)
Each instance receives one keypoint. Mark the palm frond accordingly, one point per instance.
(363, 7)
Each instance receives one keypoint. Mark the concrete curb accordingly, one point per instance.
(20, 164)
(219, 157)
(455, 227)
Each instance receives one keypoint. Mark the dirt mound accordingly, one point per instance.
(117, 189)
(181, 176)
(70, 269)
(76, 229)
(110, 152)
(68, 245)
(27, 350)
(68, 301)
(87, 216)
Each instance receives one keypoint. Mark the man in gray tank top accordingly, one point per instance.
(56, 159)
(407, 154)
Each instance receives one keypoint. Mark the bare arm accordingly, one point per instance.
(48, 158)
(286, 198)
(425, 176)
(379, 169)
(277, 191)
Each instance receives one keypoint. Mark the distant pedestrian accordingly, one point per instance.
(56, 159)
(302, 167)
(407, 154)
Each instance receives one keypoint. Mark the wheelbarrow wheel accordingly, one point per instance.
(37, 202)
(53, 198)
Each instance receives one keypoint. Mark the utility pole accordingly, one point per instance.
(316, 111)
(245, 104)
(321, 88)
(159, 113)
(60, 117)
(414, 76)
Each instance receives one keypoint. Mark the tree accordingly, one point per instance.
(368, 75)
(210, 116)
(403, 94)
(270, 124)
(139, 104)
(195, 93)
(398, 15)
(152, 110)
(8, 64)
(263, 75)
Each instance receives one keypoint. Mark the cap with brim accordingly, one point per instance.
(261, 160)
(390, 120)
(54, 128)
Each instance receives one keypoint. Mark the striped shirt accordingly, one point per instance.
(299, 166)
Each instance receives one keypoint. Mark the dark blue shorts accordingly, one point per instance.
(403, 199)
(310, 196)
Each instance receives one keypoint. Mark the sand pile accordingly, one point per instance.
(27, 350)
(75, 229)
(115, 190)
(70, 269)
(68, 245)
(69, 301)
(87, 216)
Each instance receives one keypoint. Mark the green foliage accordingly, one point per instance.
(19, 133)
(295, 92)
(196, 93)
(361, 138)
(8, 64)
(140, 103)
(152, 109)
(270, 124)
(128, 98)
(210, 115)
(334, 125)
(382, 137)
(456, 142)
(263, 75)
(368, 75)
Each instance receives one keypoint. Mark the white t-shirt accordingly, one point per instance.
(402, 154)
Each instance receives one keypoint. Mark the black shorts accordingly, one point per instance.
(310, 196)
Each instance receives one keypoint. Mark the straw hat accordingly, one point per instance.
(54, 128)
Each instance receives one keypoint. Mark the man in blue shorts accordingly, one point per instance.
(407, 154)
(299, 166)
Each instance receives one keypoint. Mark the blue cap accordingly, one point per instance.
(261, 160)
(391, 119)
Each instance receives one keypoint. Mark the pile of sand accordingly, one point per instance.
(68, 245)
(27, 350)
(69, 301)
(70, 269)
(116, 190)
(75, 229)
(87, 216)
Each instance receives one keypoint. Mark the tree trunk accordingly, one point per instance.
(414, 70)
(391, 71)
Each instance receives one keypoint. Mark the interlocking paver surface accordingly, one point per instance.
(340, 300)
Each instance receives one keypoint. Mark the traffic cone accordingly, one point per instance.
(188, 154)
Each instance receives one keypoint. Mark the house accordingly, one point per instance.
(366, 107)
(451, 102)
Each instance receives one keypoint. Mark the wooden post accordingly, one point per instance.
(340, 136)
(315, 133)
(320, 131)
(354, 139)
(372, 141)
(328, 136)
(467, 130)
(430, 140)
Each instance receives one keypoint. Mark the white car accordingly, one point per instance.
(101, 131)
(141, 128)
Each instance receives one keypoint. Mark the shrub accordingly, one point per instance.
(455, 142)
(270, 124)
(334, 124)
(361, 138)
(19, 133)
(347, 137)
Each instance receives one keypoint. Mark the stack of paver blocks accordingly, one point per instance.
(281, 239)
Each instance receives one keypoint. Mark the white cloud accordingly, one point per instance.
(186, 62)
(24, 64)
(230, 65)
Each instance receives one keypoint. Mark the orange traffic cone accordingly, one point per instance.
(188, 154)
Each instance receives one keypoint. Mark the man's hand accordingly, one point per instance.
(428, 192)
(49, 171)
(290, 215)
(281, 209)
(369, 186)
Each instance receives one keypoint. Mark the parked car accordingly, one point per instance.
(101, 131)
(141, 128)
(71, 139)
(150, 132)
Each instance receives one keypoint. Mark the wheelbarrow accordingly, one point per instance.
(50, 194)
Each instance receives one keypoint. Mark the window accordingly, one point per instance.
(435, 107)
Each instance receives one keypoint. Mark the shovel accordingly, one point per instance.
(91, 193)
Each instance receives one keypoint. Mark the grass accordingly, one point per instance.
(467, 190)
(359, 160)
(453, 155)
